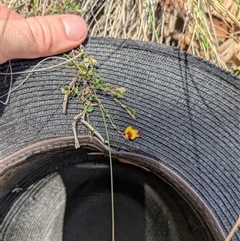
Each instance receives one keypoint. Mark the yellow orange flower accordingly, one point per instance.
(131, 133)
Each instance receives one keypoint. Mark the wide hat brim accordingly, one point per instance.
(188, 114)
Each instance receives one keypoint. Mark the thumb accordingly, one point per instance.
(40, 36)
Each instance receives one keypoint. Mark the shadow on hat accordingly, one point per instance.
(178, 181)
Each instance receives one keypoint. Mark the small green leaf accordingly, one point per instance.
(133, 114)
(104, 86)
(65, 90)
(91, 72)
(121, 91)
(82, 67)
(90, 109)
(84, 75)
(237, 72)
(94, 61)
(77, 92)
(97, 81)
(90, 96)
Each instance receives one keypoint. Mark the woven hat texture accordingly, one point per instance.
(189, 114)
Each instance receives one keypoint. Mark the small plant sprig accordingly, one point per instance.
(88, 86)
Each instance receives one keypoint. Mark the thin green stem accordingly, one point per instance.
(152, 20)
(110, 160)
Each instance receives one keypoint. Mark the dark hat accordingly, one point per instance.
(179, 181)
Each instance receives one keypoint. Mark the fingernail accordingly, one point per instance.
(75, 27)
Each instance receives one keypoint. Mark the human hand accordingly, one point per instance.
(38, 36)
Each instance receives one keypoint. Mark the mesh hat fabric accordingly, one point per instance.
(188, 112)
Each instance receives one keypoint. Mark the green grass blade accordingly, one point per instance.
(110, 161)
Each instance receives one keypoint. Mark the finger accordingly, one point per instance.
(41, 36)
(6, 13)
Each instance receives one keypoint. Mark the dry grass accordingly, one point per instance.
(234, 230)
(206, 28)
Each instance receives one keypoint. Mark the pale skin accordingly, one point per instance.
(38, 36)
